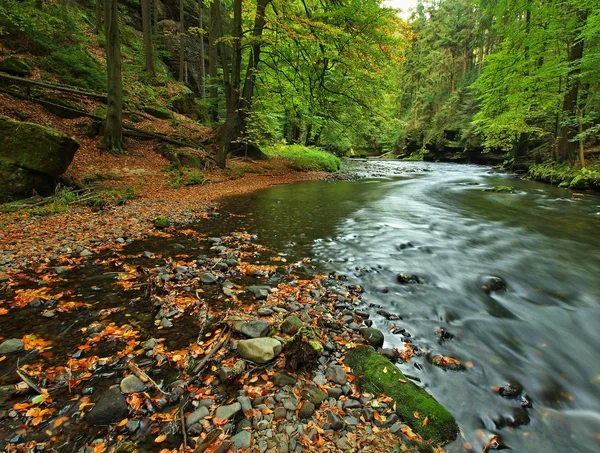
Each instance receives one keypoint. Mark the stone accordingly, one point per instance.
(259, 350)
(314, 395)
(335, 421)
(245, 402)
(306, 410)
(336, 374)
(279, 413)
(448, 363)
(335, 392)
(264, 311)
(158, 112)
(283, 379)
(226, 412)
(161, 223)
(343, 444)
(260, 292)
(378, 375)
(492, 284)
(255, 329)
(111, 407)
(208, 278)
(390, 354)
(291, 325)
(32, 157)
(511, 390)
(197, 416)
(408, 279)
(132, 384)
(373, 336)
(11, 346)
(16, 66)
(242, 440)
(351, 404)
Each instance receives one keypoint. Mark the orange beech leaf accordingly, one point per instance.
(424, 423)
(59, 421)
(160, 439)
(416, 415)
(3, 311)
(123, 422)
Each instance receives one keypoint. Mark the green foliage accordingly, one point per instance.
(76, 67)
(303, 158)
(565, 175)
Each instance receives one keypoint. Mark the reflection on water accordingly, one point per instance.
(436, 221)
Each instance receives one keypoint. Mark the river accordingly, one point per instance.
(438, 222)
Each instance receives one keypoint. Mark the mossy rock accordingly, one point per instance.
(162, 223)
(184, 103)
(17, 67)
(378, 375)
(158, 112)
(501, 189)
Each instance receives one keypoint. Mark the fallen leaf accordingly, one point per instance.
(160, 439)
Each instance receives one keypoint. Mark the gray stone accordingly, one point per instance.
(226, 412)
(207, 278)
(337, 374)
(264, 311)
(197, 416)
(390, 353)
(314, 395)
(150, 344)
(259, 350)
(352, 404)
(335, 392)
(335, 421)
(373, 336)
(283, 379)
(262, 425)
(85, 253)
(279, 413)
(306, 410)
(291, 404)
(11, 346)
(245, 402)
(291, 325)
(260, 292)
(343, 444)
(242, 440)
(111, 407)
(255, 329)
(132, 384)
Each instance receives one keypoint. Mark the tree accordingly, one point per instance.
(98, 16)
(147, 33)
(181, 42)
(202, 56)
(113, 128)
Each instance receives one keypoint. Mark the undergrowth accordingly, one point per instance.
(564, 175)
(303, 158)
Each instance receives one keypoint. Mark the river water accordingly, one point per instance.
(438, 222)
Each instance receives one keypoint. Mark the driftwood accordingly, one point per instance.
(65, 88)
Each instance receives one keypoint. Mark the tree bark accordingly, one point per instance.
(181, 42)
(155, 6)
(113, 129)
(98, 16)
(202, 56)
(147, 32)
(212, 62)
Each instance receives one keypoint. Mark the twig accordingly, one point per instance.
(144, 377)
(218, 345)
(183, 431)
(208, 440)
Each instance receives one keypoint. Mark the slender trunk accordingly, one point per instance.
(98, 16)
(155, 13)
(202, 62)
(181, 42)
(113, 129)
(147, 32)
(212, 62)
(581, 149)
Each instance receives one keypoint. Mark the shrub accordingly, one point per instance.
(303, 158)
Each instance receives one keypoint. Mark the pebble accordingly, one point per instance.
(306, 410)
(279, 413)
(196, 416)
(343, 444)
(351, 404)
(226, 412)
(132, 384)
(242, 440)
(208, 278)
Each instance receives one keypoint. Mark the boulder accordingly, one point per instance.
(184, 103)
(11, 346)
(32, 157)
(291, 325)
(110, 408)
(378, 375)
(17, 67)
(158, 112)
(373, 336)
(259, 350)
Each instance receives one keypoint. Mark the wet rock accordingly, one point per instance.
(132, 426)
(283, 379)
(448, 363)
(492, 284)
(291, 325)
(260, 292)
(525, 401)
(388, 315)
(336, 374)
(518, 417)
(132, 384)
(226, 412)
(259, 350)
(306, 410)
(511, 390)
(443, 334)
(208, 278)
(255, 329)
(408, 279)
(197, 416)
(373, 336)
(242, 440)
(111, 407)
(11, 346)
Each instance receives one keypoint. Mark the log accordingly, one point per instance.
(67, 89)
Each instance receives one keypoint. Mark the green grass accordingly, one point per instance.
(304, 158)
(564, 175)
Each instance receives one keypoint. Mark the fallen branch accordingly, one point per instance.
(66, 88)
(183, 431)
(218, 345)
(208, 440)
(144, 377)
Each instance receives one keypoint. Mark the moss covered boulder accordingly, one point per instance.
(184, 103)
(15, 66)
(158, 112)
(32, 157)
(376, 374)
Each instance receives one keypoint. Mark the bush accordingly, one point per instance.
(76, 67)
(303, 158)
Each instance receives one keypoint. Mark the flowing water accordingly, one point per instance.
(438, 222)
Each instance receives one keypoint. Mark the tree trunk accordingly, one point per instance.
(147, 32)
(181, 42)
(98, 16)
(155, 6)
(202, 62)
(113, 129)
(581, 148)
(567, 147)
(212, 62)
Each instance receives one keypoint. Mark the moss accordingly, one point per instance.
(303, 158)
(564, 175)
(158, 112)
(378, 375)
(74, 66)
(501, 189)
(162, 223)
(15, 66)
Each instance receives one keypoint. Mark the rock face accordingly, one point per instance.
(110, 408)
(259, 350)
(379, 375)
(32, 157)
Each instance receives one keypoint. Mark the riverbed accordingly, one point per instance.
(437, 221)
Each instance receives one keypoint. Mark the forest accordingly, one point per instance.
(299, 226)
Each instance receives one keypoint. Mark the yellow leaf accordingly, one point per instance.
(123, 422)
(59, 421)
(160, 438)
(385, 370)
(425, 421)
